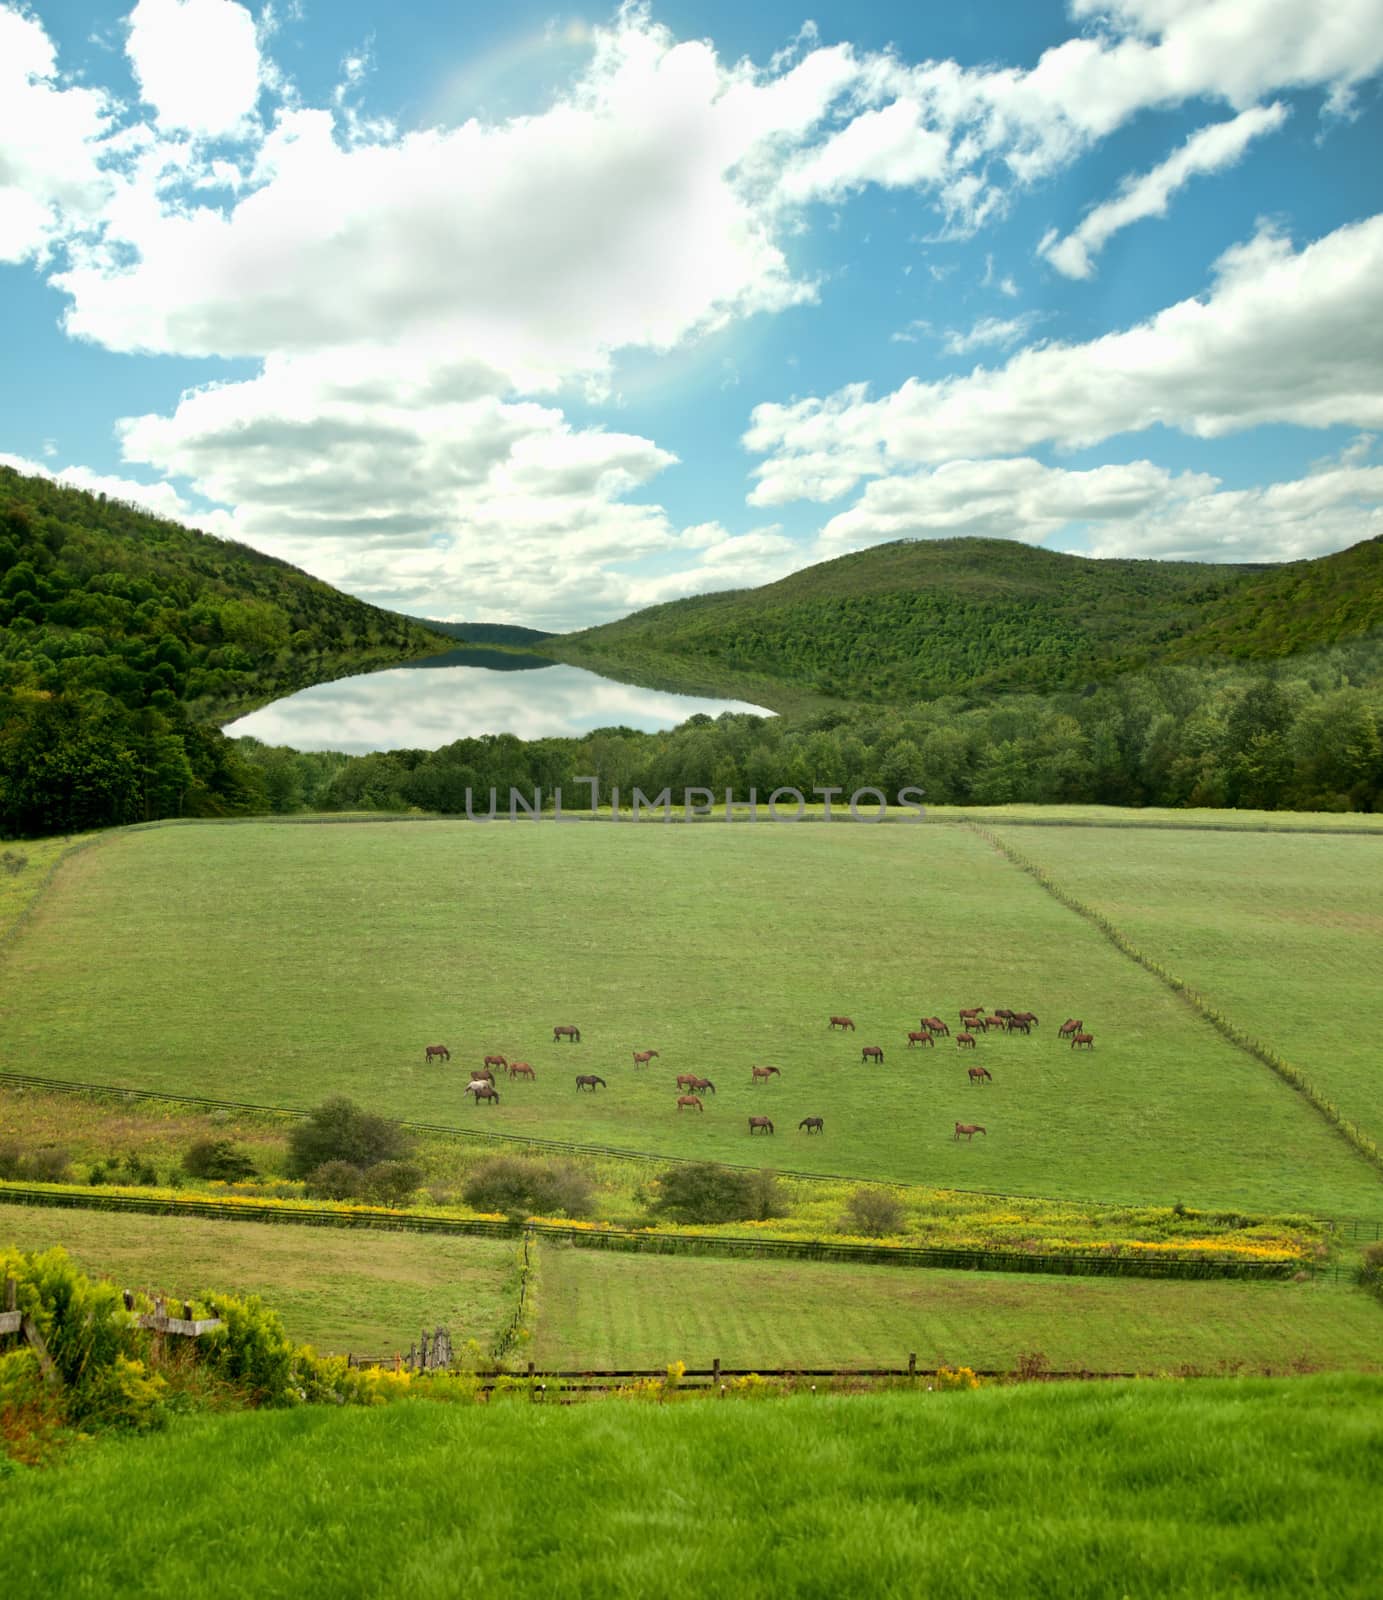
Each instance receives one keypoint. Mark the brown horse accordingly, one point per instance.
(643, 1057)
(1000, 1012)
(983, 1024)
(873, 1052)
(689, 1080)
(1019, 1025)
(812, 1124)
(436, 1052)
(969, 1129)
(760, 1125)
(1087, 1039)
(495, 1061)
(484, 1073)
(970, 1013)
(763, 1074)
(1070, 1026)
(965, 1041)
(482, 1089)
(980, 1075)
(921, 1038)
(685, 1100)
(842, 1023)
(567, 1032)
(520, 1069)
(936, 1025)
(588, 1080)
(1028, 1017)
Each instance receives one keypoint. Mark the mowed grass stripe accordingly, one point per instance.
(280, 965)
(336, 1290)
(1285, 935)
(611, 1311)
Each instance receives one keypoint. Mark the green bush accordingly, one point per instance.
(251, 1350)
(873, 1213)
(335, 1180)
(702, 1192)
(1371, 1267)
(523, 1187)
(218, 1160)
(339, 1130)
(46, 1165)
(391, 1183)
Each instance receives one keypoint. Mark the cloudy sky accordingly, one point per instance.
(497, 311)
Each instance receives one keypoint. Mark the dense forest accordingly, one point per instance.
(1304, 734)
(920, 619)
(123, 637)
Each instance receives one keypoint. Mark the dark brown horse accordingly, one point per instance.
(567, 1032)
(965, 1041)
(588, 1080)
(436, 1052)
(983, 1024)
(936, 1025)
(643, 1057)
(487, 1073)
(812, 1124)
(921, 1038)
(969, 1129)
(689, 1080)
(1028, 1017)
(1087, 1039)
(763, 1074)
(1019, 1025)
(495, 1061)
(842, 1023)
(873, 1052)
(1070, 1026)
(760, 1125)
(1000, 1012)
(980, 1075)
(482, 1089)
(685, 1100)
(969, 1014)
(520, 1069)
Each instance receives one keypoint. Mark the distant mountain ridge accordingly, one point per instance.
(483, 632)
(921, 618)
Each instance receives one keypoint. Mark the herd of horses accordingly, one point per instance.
(975, 1022)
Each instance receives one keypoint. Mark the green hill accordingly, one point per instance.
(484, 632)
(916, 619)
(124, 638)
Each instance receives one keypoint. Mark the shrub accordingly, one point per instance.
(702, 1192)
(522, 1187)
(391, 1183)
(873, 1213)
(48, 1165)
(335, 1180)
(14, 862)
(219, 1160)
(1371, 1267)
(251, 1350)
(339, 1130)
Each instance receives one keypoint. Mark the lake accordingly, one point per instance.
(461, 695)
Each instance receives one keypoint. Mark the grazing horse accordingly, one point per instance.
(643, 1057)
(685, 1100)
(1087, 1039)
(980, 1075)
(436, 1052)
(482, 1089)
(812, 1124)
(763, 1074)
(873, 1052)
(970, 1013)
(969, 1129)
(1000, 1012)
(485, 1074)
(965, 1041)
(921, 1038)
(983, 1024)
(567, 1032)
(760, 1125)
(520, 1069)
(842, 1023)
(1070, 1026)
(1019, 1025)
(689, 1080)
(936, 1025)
(1027, 1017)
(495, 1061)
(588, 1080)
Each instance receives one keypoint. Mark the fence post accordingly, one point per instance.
(912, 1363)
(715, 1370)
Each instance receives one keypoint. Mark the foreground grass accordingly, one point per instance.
(1202, 1490)
(605, 1310)
(282, 964)
(1283, 934)
(339, 1290)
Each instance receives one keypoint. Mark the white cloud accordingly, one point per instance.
(49, 139)
(1207, 150)
(196, 63)
(1284, 336)
(1000, 332)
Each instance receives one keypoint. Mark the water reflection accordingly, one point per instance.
(431, 703)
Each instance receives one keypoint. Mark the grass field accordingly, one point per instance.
(1141, 1490)
(282, 964)
(600, 1309)
(336, 1289)
(1283, 934)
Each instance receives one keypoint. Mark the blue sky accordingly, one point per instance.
(540, 315)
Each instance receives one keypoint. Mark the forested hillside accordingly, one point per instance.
(917, 619)
(122, 636)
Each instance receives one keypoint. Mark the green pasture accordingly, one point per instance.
(602, 1309)
(337, 1289)
(281, 964)
(1143, 1490)
(1285, 935)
